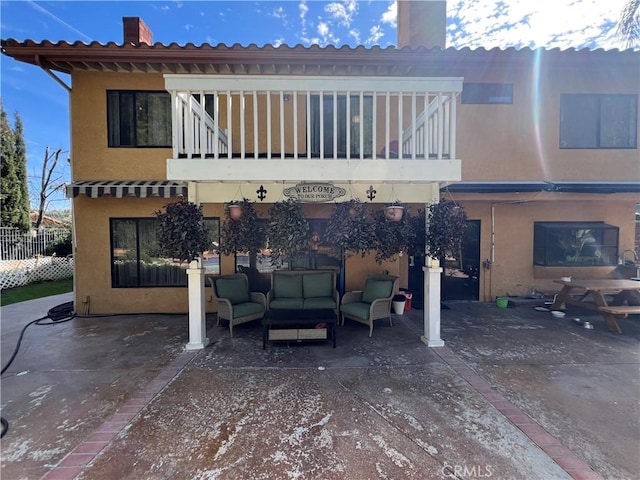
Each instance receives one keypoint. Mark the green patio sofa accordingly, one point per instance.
(303, 290)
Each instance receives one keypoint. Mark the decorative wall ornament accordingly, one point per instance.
(314, 192)
(262, 193)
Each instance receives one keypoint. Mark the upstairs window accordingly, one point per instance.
(357, 116)
(138, 119)
(487, 93)
(598, 121)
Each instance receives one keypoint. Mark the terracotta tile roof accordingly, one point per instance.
(300, 60)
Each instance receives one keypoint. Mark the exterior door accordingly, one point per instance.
(462, 271)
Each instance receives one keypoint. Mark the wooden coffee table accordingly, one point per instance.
(295, 325)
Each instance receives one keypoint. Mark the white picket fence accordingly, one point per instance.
(23, 257)
(16, 273)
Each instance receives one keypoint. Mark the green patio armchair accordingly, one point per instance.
(235, 302)
(371, 303)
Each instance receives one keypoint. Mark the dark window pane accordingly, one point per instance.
(153, 116)
(487, 93)
(617, 120)
(139, 119)
(124, 253)
(127, 119)
(598, 121)
(578, 121)
(356, 116)
(575, 244)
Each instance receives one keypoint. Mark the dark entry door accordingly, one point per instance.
(462, 271)
(460, 276)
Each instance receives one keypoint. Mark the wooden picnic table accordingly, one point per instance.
(592, 296)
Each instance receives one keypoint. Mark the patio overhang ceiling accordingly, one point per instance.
(237, 59)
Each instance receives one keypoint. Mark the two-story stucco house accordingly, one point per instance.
(539, 146)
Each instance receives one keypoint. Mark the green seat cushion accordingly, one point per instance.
(247, 308)
(233, 289)
(287, 303)
(357, 309)
(287, 286)
(317, 285)
(318, 302)
(375, 289)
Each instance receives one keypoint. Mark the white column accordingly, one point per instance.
(431, 310)
(197, 315)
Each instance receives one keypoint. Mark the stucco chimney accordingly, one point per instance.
(422, 23)
(136, 31)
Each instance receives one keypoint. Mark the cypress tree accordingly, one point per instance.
(21, 172)
(12, 211)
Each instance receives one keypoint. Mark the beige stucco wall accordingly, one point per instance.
(517, 142)
(520, 142)
(513, 271)
(93, 257)
(92, 159)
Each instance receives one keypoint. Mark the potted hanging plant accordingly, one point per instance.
(235, 209)
(244, 233)
(392, 236)
(288, 231)
(447, 223)
(394, 212)
(182, 234)
(349, 229)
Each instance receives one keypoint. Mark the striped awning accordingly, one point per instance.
(124, 188)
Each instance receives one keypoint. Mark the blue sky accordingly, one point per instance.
(43, 104)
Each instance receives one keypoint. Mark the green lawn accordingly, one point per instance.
(35, 290)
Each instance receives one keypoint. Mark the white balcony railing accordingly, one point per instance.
(250, 117)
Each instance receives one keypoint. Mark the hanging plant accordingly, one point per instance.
(244, 234)
(392, 236)
(350, 230)
(394, 212)
(181, 231)
(419, 233)
(446, 228)
(288, 231)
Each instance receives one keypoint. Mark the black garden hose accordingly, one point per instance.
(59, 314)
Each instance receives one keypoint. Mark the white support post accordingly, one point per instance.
(197, 315)
(431, 311)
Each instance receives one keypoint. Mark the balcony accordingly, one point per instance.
(295, 128)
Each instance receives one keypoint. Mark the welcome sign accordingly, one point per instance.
(314, 192)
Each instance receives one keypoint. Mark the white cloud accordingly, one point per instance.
(326, 35)
(279, 12)
(543, 24)
(375, 34)
(303, 9)
(278, 41)
(355, 34)
(343, 12)
(323, 29)
(390, 17)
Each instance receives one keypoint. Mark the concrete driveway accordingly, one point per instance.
(514, 394)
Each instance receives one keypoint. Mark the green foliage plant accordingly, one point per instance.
(350, 229)
(392, 238)
(247, 234)
(14, 195)
(288, 231)
(181, 231)
(447, 223)
(62, 247)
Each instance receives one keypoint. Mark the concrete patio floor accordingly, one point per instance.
(514, 394)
